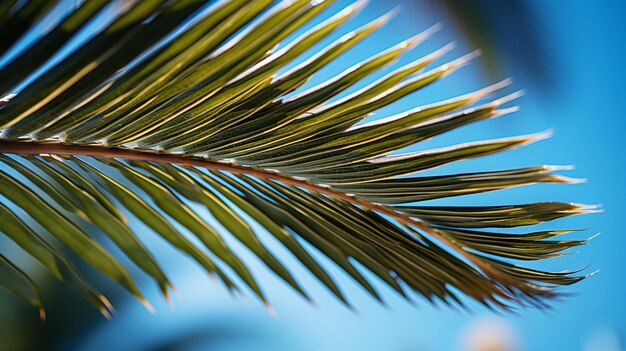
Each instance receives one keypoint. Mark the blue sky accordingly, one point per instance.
(586, 115)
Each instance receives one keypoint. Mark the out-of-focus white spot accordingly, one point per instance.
(489, 334)
(604, 339)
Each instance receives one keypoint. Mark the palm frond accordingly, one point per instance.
(181, 116)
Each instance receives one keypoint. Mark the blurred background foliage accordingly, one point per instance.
(510, 33)
(568, 56)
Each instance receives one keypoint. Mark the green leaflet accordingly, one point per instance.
(196, 119)
(73, 68)
(408, 261)
(530, 246)
(361, 145)
(230, 220)
(14, 25)
(280, 114)
(52, 259)
(341, 237)
(125, 51)
(5, 8)
(153, 74)
(404, 190)
(62, 199)
(114, 228)
(38, 53)
(220, 69)
(302, 129)
(170, 204)
(20, 285)
(151, 218)
(288, 82)
(274, 221)
(67, 232)
(494, 216)
(395, 165)
(86, 186)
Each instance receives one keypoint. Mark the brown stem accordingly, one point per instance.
(38, 148)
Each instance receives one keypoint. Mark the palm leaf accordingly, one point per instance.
(174, 108)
